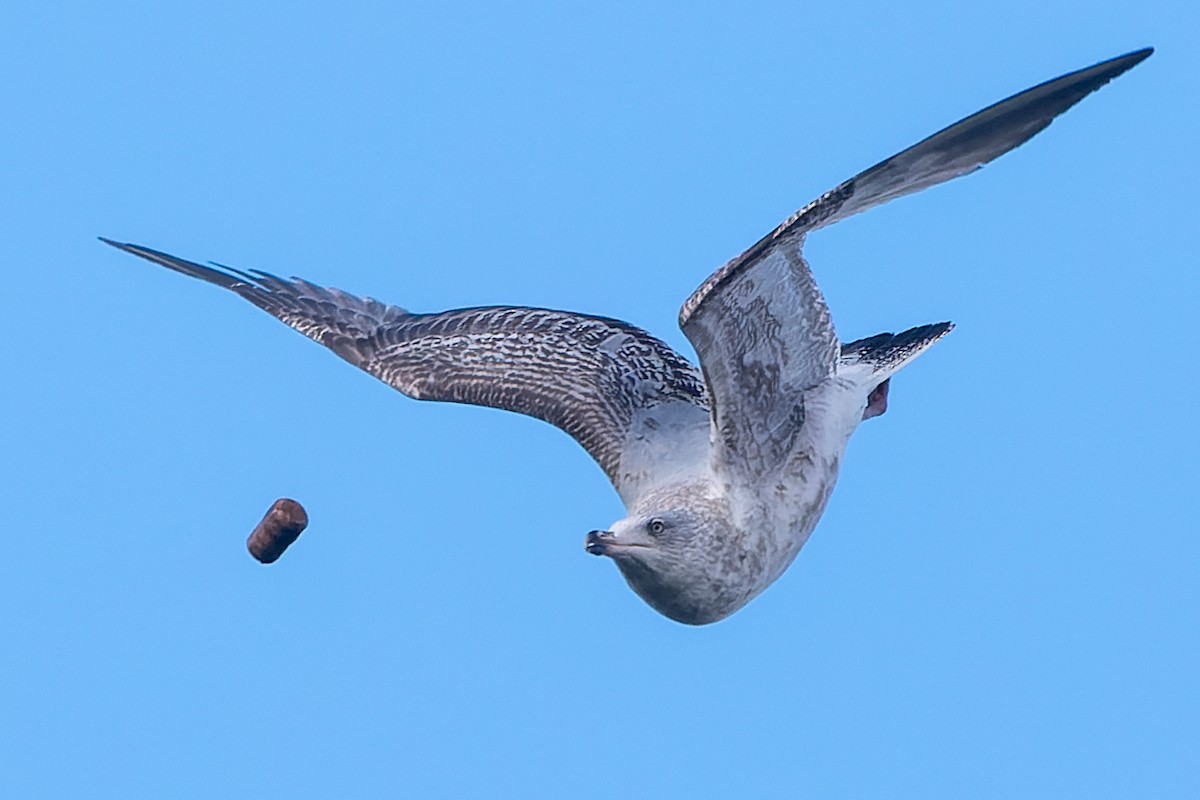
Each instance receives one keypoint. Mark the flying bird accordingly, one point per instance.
(723, 470)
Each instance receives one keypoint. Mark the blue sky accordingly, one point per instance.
(1002, 599)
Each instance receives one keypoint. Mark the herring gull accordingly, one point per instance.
(723, 470)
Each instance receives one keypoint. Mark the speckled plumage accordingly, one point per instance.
(724, 473)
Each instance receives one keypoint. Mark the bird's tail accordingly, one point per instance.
(870, 363)
(877, 358)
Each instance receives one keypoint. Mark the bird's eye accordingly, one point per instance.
(656, 526)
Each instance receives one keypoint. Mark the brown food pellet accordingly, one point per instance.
(279, 528)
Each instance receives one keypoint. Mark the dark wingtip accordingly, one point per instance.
(189, 268)
(128, 247)
(1121, 64)
(1138, 56)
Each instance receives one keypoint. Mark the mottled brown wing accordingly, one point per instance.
(599, 380)
(759, 323)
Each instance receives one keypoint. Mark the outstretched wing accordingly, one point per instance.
(759, 323)
(626, 397)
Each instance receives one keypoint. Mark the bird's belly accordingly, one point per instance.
(789, 516)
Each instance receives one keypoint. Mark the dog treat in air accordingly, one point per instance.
(278, 529)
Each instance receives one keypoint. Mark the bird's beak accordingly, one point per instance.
(596, 541)
(607, 543)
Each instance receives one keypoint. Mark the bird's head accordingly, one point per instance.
(673, 550)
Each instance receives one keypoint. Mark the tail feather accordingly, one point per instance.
(879, 357)
(872, 362)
